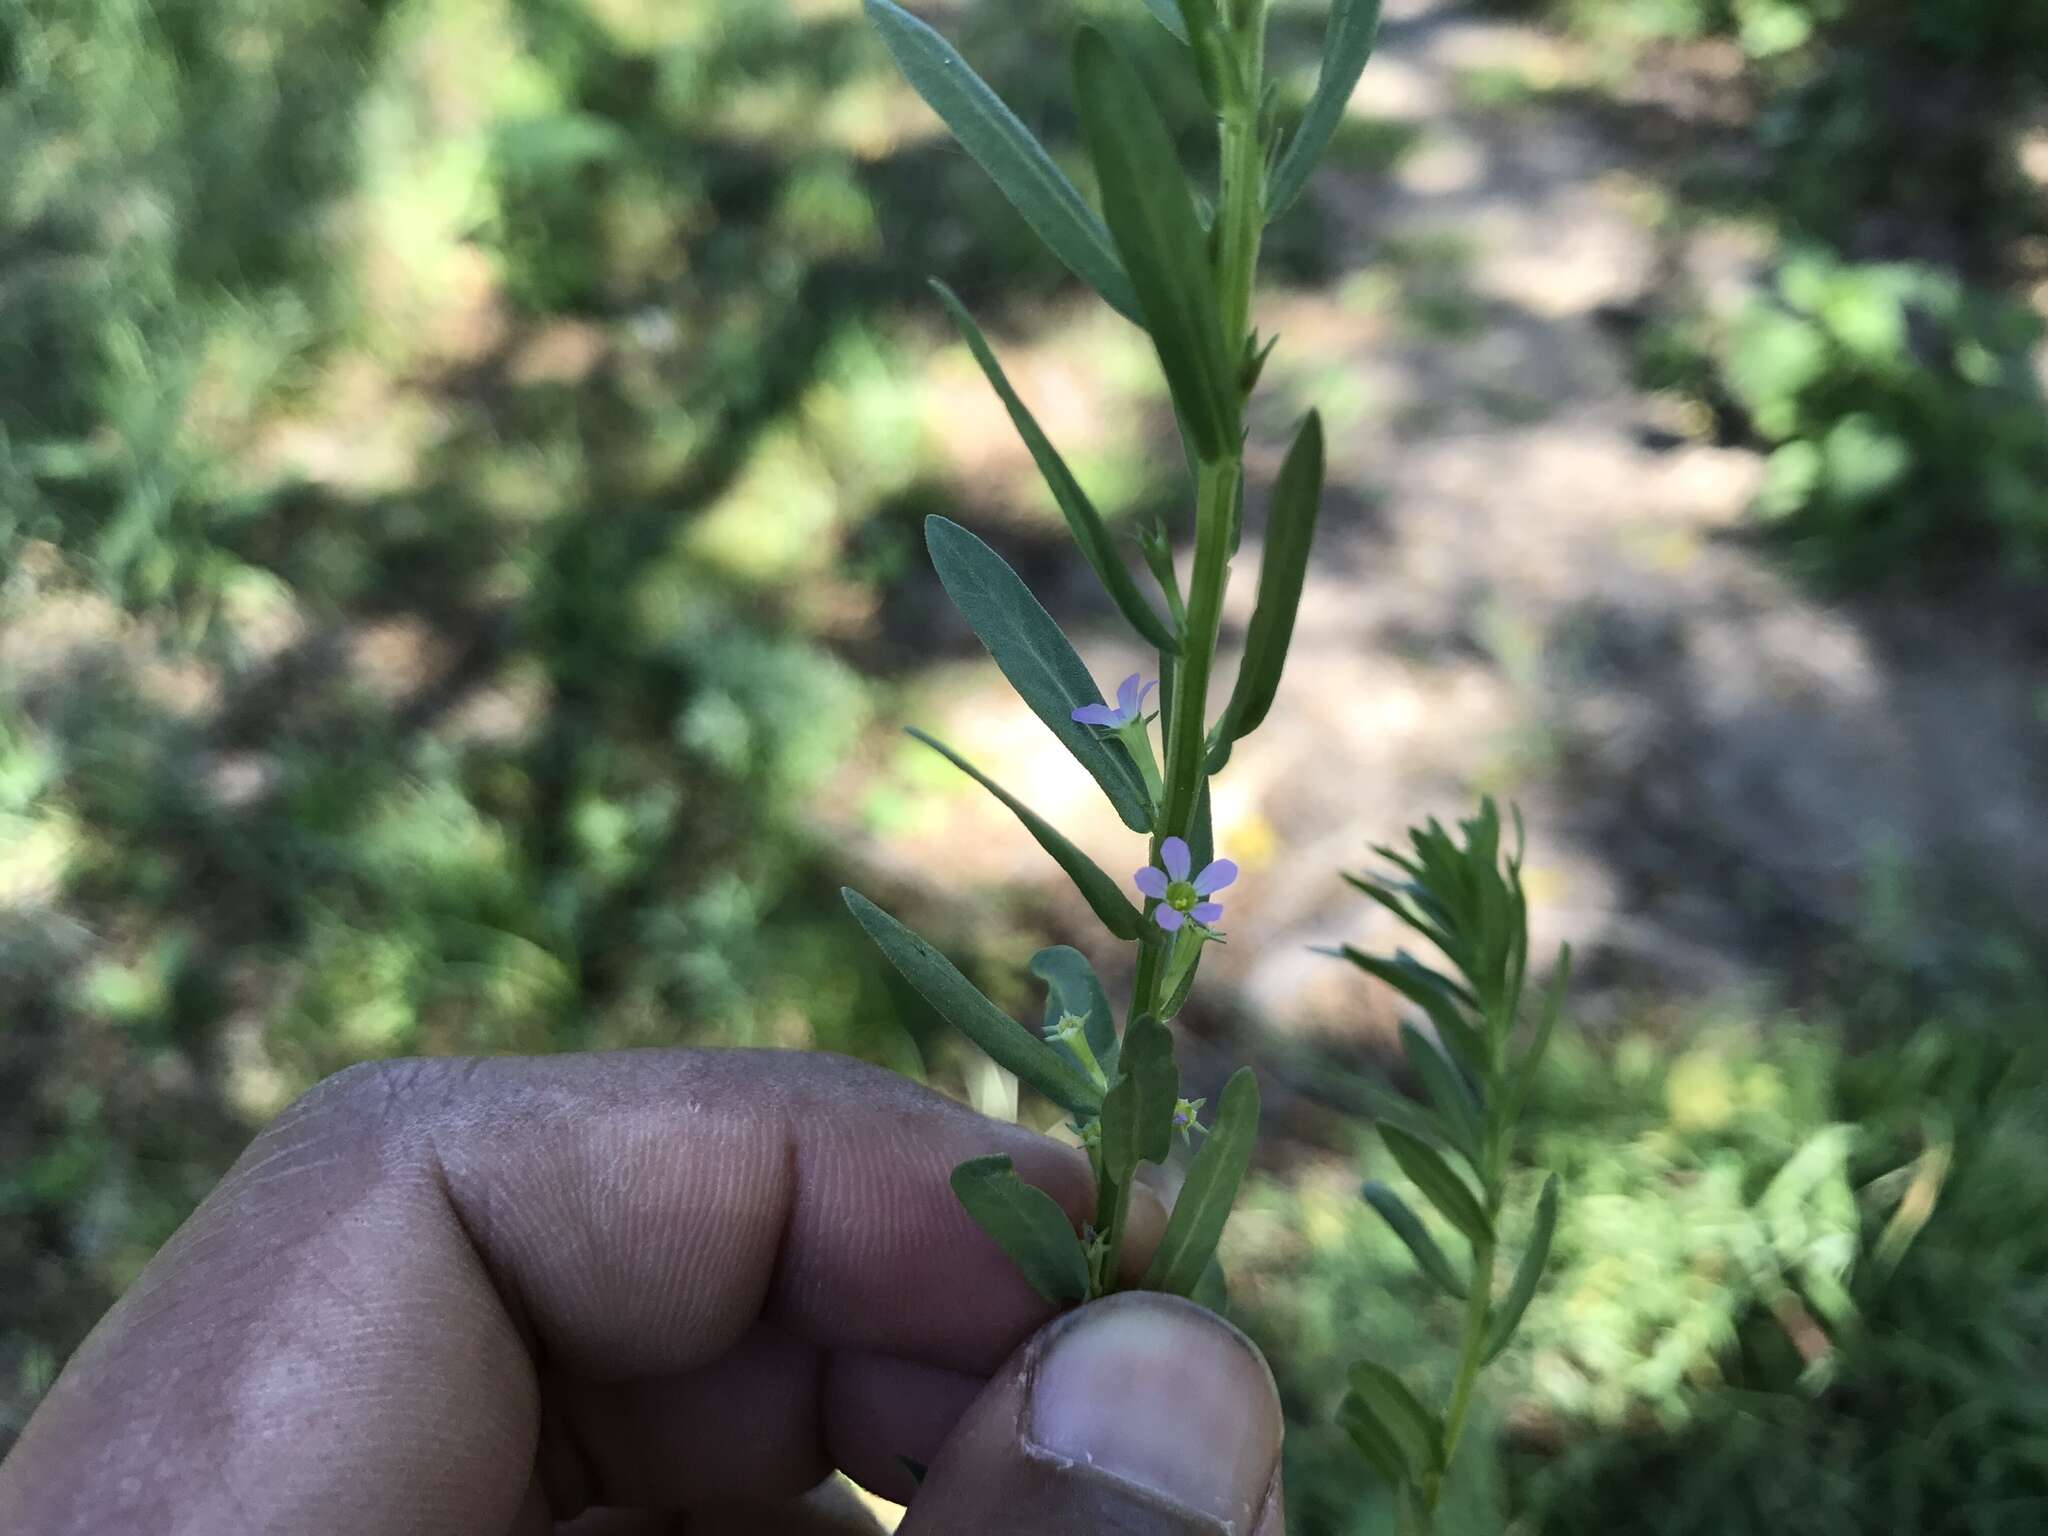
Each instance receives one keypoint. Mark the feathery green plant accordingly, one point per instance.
(1467, 900)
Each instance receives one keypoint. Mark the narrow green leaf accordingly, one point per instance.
(1409, 1228)
(1255, 362)
(1188, 457)
(1027, 1224)
(1507, 1316)
(1137, 1114)
(1532, 1058)
(1168, 16)
(1103, 895)
(1215, 62)
(1032, 653)
(1236, 513)
(1007, 1042)
(1001, 145)
(1482, 834)
(1183, 985)
(1347, 44)
(1290, 532)
(1086, 524)
(1444, 1189)
(1456, 1108)
(1202, 835)
(1374, 1441)
(1156, 545)
(1196, 1226)
(1386, 1105)
(1073, 987)
(1213, 1291)
(1433, 994)
(1418, 1432)
(1145, 199)
(1414, 907)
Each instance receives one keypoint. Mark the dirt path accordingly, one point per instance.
(1529, 584)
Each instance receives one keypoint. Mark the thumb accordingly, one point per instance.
(1141, 1415)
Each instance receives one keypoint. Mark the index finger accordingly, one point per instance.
(641, 1211)
(361, 1313)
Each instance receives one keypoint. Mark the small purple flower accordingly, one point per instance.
(1129, 707)
(1179, 897)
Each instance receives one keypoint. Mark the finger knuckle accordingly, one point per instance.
(371, 1101)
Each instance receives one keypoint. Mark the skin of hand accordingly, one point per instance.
(665, 1291)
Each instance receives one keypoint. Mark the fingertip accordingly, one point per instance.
(1141, 1413)
(1274, 1521)
(1162, 1395)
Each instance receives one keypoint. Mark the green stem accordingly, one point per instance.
(1241, 222)
(1241, 213)
(1145, 985)
(1215, 499)
(1241, 216)
(1119, 1219)
(1479, 1303)
(1478, 1310)
(1105, 1213)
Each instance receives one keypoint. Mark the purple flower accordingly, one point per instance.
(1130, 705)
(1179, 897)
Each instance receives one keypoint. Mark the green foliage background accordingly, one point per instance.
(460, 464)
(1891, 372)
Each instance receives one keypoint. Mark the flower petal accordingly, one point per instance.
(1175, 853)
(1207, 913)
(1169, 918)
(1152, 882)
(1144, 694)
(1097, 714)
(1127, 696)
(1215, 877)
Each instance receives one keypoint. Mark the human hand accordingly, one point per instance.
(651, 1291)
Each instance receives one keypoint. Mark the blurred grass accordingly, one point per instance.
(460, 463)
(1796, 1286)
(1891, 149)
(445, 446)
(460, 471)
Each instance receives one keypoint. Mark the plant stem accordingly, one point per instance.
(1151, 957)
(1478, 1310)
(1241, 209)
(1119, 1219)
(1479, 1303)
(1105, 1216)
(1215, 500)
(1241, 220)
